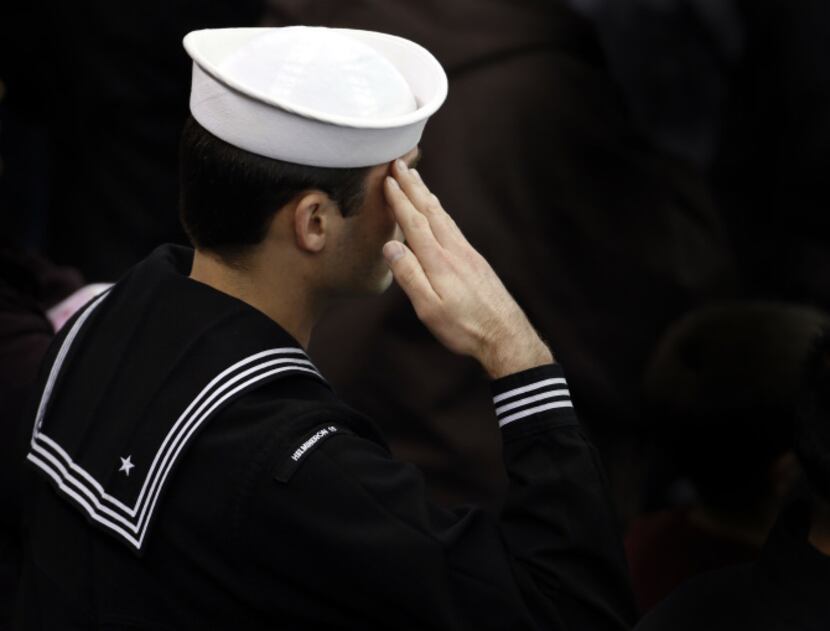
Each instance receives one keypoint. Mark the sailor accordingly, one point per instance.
(190, 467)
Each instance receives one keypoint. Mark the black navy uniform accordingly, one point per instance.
(785, 590)
(192, 469)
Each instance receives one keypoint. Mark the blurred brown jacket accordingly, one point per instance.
(601, 240)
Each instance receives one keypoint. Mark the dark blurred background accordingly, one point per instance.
(627, 166)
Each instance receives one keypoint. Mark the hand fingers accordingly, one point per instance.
(415, 225)
(410, 276)
(442, 225)
(412, 185)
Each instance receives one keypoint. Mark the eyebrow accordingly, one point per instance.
(414, 162)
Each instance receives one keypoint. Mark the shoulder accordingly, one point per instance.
(259, 444)
(712, 601)
(301, 461)
(318, 449)
(289, 408)
(271, 432)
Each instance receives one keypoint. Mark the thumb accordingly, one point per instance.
(393, 250)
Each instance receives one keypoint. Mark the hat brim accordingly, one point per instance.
(284, 131)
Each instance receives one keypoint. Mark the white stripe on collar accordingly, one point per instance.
(131, 522)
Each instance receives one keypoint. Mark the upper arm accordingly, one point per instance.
(352, 529)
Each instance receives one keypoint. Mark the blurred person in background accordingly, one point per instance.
(673, 60)
(742, 89)
(36, 298)
(770, 175)
(28, 287)
(786, 588)
(602, 239)
(721, 392)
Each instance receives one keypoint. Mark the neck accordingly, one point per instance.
(284, 296)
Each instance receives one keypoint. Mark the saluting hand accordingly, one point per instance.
(453, 289)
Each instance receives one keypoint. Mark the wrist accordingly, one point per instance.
(515, 354)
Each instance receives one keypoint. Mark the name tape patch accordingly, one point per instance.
(298, 455)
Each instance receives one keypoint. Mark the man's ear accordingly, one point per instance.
(313, 218)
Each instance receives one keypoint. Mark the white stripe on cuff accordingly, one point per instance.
(523, 389)
(562, 392)
(540, 408)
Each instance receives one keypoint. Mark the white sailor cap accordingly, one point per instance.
(312, 95)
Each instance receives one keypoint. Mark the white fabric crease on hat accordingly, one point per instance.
(312, 95)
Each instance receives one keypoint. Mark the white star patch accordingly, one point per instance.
(126, 465)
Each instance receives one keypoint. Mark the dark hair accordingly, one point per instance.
(228, 195)
(812, 433)
(723, 388)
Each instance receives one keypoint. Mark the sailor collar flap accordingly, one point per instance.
(114, 466)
